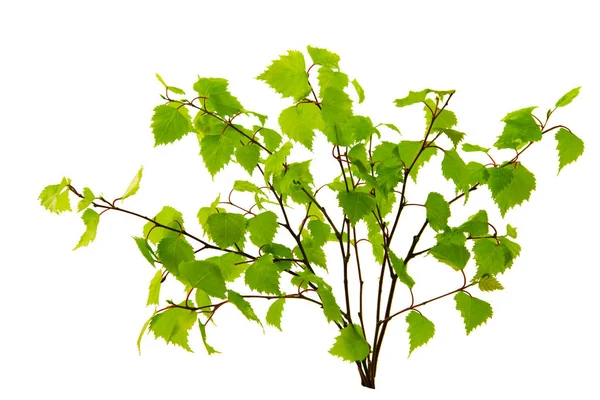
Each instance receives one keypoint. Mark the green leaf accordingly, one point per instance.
(511, 231)
(230, 264)
(144, 328)
(154, 289)
(226, 229)
(248, 156)
(510, 186)
(477, 224)
(245, 186)
(271, 138)
(438, 211)
(420, 330)
(490, 257)
(470, 148)
(331, 309)
(320, 231)
(174, 250)
(520, 129)
(473, 310)
(218, 98)
(569, 147)
(275, 312)
(568, 97)
(351, 345)
(392, 127)
(299, 122)
(173, 325)
(489, 283)
(314, 253)
(203, 275)
(453, 255)
(274, 165)
(90, 219)
(455, 169)
(323, 57)
(400, 269)
(88, 199)
(55, 198)
(288, 76)
(445, 119)
(262, 228)
(145, 249)
(203, 300)
(242, 304)
(417, 97)
(332, 79)
(209, 349)
(361, 97)
(336, 106)
(168, 216)
(134, 185)
(356, 205)
(173, 89)
(170, 122)
(409, 150)
(263, 275)
(375, 238)
(216, 151)
(296, 177)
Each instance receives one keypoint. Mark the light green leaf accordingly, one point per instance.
(297, 177)
(417, 97)
(263, 228)
(154, 289)
(320, 231)
(361, 97)
(288, 76)
(274, 165)
(453, 255)
(275, 312)
(173, 325)
(299, 122)
(170, 122)
(209, 349)
(90, 219)
(470, 148)
(336, 107)
(245, 186)
(88, 199)
(455, 169)
(489, 283)
(473, 310)
(516, 184)
(409, 150)
(203, 300)
(511, 231)
(168, 216)
(420, 330)
(203, 275)
(55, 198)
(145, 249)
(331, 309)
(490, 257)
(375, 238)
(332, 79)
(392, 127)
(569, 147)
(477, 224)
(438, 211)
(400, 269)
(356, 205)
(218, 98)
(351, 345)
(271, 139)
(232, 265)
(216, 151)
(144, 328)
(174, 250)
(314, 253)
(323, 57)
(226, 229)
(134, 185)
(243, 305)
(263, 275)
(568, 97)
(248, 156)
(520, 129)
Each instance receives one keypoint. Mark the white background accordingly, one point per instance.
(78, 89)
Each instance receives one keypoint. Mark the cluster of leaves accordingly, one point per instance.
(375, 168)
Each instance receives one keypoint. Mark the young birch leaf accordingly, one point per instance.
(262, 228)
(271, 139)
(242, 304)
(55, 198)
(568, 97)
(154, 289)
(438, 211)
(209, 349)
(323, 57)
(356, 205)
(455, 136)
(332, 79)
(420, 330)
(168, 216)
(299, 122)
(520, 129)
(451, 254)
(409, 151)
(134, 185)
(145, 249)
(245, 186)
(203, 300)
(314, 253)
(361, 97)
(477, 224)
(230, 264)
(88, 199)
(216, 151)
(511, 231)
(569, 147)
(263, 275)
(218, 98)
(336, 106)
(226, 229)
(320, 231)
(174, 250)
(170, 122)
(144, 328)
(173, 325)
(412, 98)
(90, 219)
(400, 269)
(470, 148)
(203, 275)
(392, 127)
(517, 191)
(489, 283)
(375, 238)
(248, 156)
(473, 310)
(455, 169)
(288, 76)
(489, 257)
(274, 165)
(351, 345)
(275, 312)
